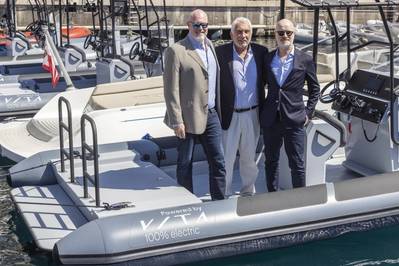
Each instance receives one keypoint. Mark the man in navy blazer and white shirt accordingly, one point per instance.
(284, 114)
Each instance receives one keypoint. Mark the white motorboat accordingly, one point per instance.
(114, 104)
(121, 203)
(304, 34)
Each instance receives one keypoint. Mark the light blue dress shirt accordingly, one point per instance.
(245, 77)
(281, 69)
(208, 58)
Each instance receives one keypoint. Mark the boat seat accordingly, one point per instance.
(162, 151)
(48, 212)
(11, 60)
(323, 137)
(128, 93)
(47, 75)
(130, 85)
(18, 69)
(29, 57)
(43, 84)
(79, 50)
(123, 177)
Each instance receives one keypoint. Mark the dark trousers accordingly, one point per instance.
(211, 141)
(294, 141)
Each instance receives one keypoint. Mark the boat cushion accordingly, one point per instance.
(128, 93)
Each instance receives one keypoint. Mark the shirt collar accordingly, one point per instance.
(196, 44)
(291, 54)
(236, 55)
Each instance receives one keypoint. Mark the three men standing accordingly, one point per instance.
(197, 108)
(241, 94)
(192, 97)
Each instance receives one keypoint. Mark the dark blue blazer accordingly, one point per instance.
(227, 89)
(288, 98)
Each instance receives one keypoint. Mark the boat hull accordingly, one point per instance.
(235, 226)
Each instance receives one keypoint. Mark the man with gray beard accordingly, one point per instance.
(191, 91)
(241, 92)
(284, 114)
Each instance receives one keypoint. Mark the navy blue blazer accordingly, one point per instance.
(288, 98)
(227, 89)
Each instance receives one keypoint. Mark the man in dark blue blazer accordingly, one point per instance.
(284, 114)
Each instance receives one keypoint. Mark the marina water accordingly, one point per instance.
(376, 247)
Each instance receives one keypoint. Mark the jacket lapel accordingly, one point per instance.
(258, 63)
(210, 46)
(269, 63)
(294, 66)
(192, 53)
(229, 58)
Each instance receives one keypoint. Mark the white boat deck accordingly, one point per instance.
(50, 214)
(334, 172)
(124, 178)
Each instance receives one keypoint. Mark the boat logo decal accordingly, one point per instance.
(174, 224)
(24, 98)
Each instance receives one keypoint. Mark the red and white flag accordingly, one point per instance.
(49, 65)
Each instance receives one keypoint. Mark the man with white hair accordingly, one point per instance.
(241, 93)
(191, 90)
(284, 114)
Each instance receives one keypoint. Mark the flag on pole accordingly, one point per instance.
(49, 65)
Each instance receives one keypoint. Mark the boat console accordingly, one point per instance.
(75, 58)
(113, 70)
(364, 107)
(362, 127)
(366, 96)
(18, 45)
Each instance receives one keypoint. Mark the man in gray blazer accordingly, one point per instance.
(191, 90)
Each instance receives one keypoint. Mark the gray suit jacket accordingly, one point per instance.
(186, 87)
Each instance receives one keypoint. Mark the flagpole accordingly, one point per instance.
(54, 51)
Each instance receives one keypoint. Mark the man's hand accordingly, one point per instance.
(180, 131)
(306, 121)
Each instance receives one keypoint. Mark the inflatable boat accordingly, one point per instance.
(29, 93)
(122, 204)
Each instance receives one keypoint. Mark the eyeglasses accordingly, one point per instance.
(282, 32)
(198, 25)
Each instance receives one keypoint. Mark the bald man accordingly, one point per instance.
(284, 114)
(191, 90)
